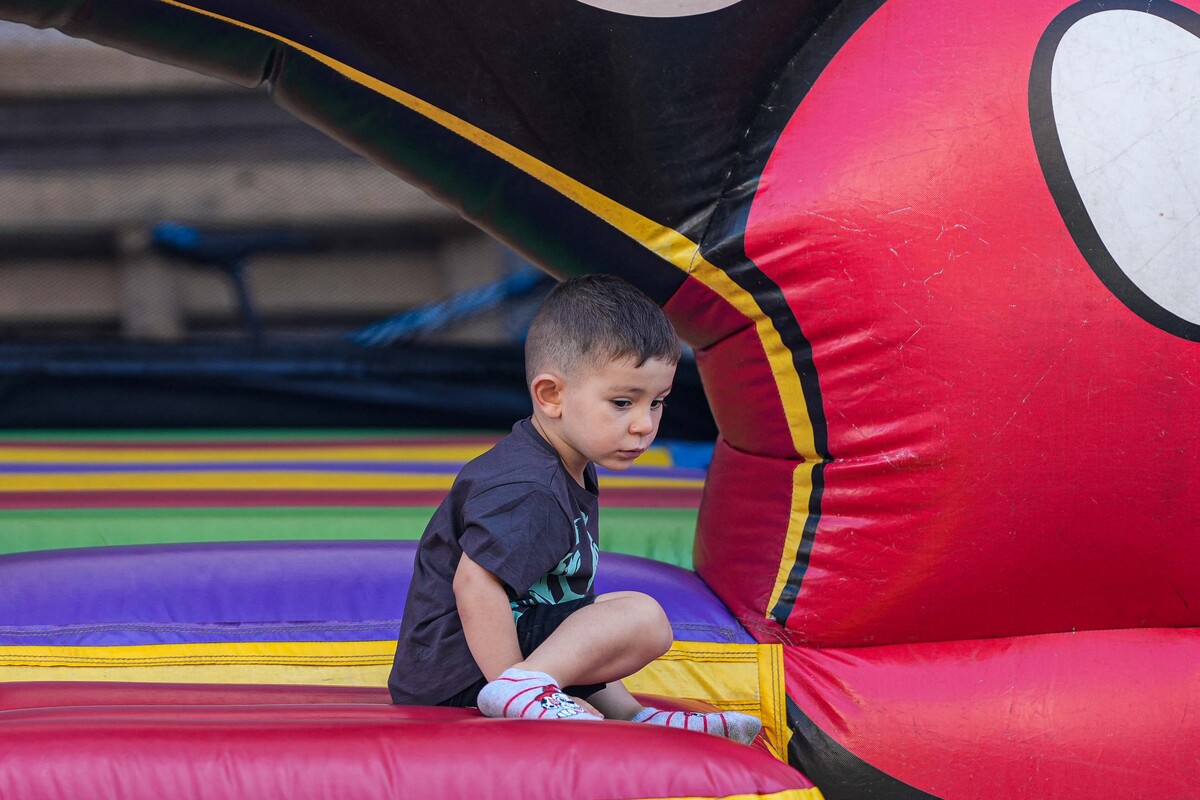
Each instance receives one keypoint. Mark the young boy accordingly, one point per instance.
(501, 613)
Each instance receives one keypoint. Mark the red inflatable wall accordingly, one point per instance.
(1002, 446)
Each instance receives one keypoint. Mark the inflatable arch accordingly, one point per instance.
(936, 259)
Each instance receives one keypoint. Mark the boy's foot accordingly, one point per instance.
(730, 724)
(528, 695)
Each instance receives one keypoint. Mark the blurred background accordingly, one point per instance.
(176, 251)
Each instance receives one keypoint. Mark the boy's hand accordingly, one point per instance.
(588, 707)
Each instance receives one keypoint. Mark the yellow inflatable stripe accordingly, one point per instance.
(797, 519)
(736, 677)
(218, 480)
(655, 457)
(667, 243)
(297, 674)
(368, 653)
(773, 705)
(91, 455)
(268, 480)
(779, 357)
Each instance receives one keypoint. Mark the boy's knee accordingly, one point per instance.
(654, 629)
(644, 620)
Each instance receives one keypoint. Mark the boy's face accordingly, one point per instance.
(610, 414)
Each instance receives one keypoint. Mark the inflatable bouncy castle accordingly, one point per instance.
(937, 262)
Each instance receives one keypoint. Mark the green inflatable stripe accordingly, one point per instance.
(662, 534)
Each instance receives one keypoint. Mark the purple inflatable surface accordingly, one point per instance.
(270, 591)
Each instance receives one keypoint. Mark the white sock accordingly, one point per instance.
(730, 724)
(529, 695)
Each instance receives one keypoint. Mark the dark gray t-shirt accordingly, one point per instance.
(518, 513)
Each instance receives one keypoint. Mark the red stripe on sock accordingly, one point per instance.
(530, 705)
(515, 696)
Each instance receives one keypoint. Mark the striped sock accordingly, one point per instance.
(730, 724)
(528, 695)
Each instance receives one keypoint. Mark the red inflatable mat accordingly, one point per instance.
(60, 694)
(134, 741)
(1091, 714)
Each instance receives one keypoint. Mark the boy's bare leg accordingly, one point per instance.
(609, 640)
(615, 702)
(603, 643)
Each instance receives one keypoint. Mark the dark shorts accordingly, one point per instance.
(534, 627)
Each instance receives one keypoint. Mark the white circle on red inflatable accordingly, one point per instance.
(1126, 94)
(661, 8)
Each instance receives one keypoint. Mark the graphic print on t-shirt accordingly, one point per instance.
(571, 578)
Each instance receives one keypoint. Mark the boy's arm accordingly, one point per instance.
(486, 618)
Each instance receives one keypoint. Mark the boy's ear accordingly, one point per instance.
(546, 390)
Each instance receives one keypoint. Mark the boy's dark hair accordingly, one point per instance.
(593, 318)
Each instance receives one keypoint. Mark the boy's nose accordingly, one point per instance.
(641, 424)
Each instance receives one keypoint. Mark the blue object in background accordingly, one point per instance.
(433, 316)
(228, 252)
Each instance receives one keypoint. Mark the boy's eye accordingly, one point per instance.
(622, 403)
(658, 404)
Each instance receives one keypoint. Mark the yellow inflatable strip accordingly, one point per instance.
(369, 653)
(734, 677)
(667, 243)
(267, 480)
(220, 480)
(797, 519)
(655, 457)
(92, 455)
(318, 663)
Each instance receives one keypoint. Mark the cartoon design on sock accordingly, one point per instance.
(553, 700)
